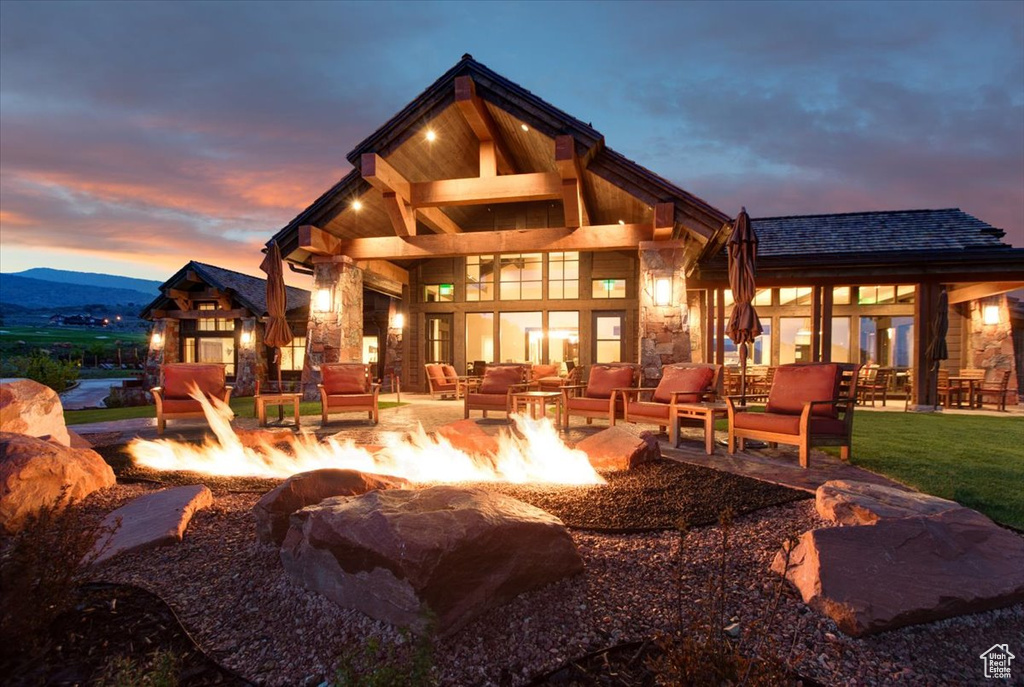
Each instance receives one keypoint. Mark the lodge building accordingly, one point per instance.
(495, 227)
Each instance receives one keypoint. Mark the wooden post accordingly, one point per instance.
(720, 326)
(815, 324)
(826, 324)
(925, 302)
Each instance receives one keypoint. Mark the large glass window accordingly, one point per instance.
(439, 338)
(520, 337)
(794, 340)
(763, 297)
(608, 288)
(887, 341)
(480, 278)
(213, 324)
(521, 277)
(608, 338)
(294, 354)
(762, 349)
(563, 337)
(841, 295)
(210, 349)
(840, 340)
(438, 293)
(480, 336)
(800, 295)
(564, 275)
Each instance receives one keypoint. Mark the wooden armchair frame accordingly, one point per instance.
(844, 400)
(350, 401)
(672, 419)
(443, 384)
(475, 399)
(174, 403)
(998, 390)
(611, 410)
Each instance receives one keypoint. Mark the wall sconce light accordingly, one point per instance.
(246, 338)
(398, 321)
(663, 291)
(323, 300)
(990, 315)
(157, 340)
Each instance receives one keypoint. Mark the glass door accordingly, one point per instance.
(439, 339)
(609, 337)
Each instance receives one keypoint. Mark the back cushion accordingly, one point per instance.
(497, 380)
(542, 371)
(688, 380)
(178, 379)
(604, 380)
(435, 372)
(344, 379)
(449, 372)
(795, 384)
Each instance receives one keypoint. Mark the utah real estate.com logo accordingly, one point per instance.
(997, 661)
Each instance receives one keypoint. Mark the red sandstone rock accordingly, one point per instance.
(78, 441)
(908, 570)
(28, 407)
(404, 556)
(258, 439)
(308, 488)
(468, 437)
(860, 503)
(616, 448)
(33, 471)
(155, 519)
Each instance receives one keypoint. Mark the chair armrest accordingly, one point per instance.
(156, 390)
(227, 393)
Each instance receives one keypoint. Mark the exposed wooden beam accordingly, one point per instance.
(664, 221)
(592, 238)
(317, 241)
(510, 188)
(571, 171)
(178, 293)
(402, 218)
(975, 291)
(475, 112)
(388, 270)
(381, 175)
(202, 314)
(488, 159)
(438, 221)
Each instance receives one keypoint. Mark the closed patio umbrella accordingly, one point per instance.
(277, 332)
(937, 348)
(744, 325)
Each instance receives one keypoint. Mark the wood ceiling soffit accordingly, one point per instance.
(381, 175)
(510, 188)
(494, 155)
(591, 238)
(974, 291)
(664, 221)
(388, 270)
(569, 168)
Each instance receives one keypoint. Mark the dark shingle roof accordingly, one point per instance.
(872, 232)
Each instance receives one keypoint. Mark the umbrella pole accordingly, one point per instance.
(743, 374)
(280, 388)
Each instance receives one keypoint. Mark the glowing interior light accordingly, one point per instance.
(357, 205)
(399, 321)
(991, 314)
(524, 127)
(246, 338)
(622, 221)
(663, 291)
(431, 136)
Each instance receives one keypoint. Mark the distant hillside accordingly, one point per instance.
(106, 281)
(42, 294)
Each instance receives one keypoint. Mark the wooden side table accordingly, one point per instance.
(264, 400)
(537, 402)
(706, 412)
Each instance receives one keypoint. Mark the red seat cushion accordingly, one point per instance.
(787, 423)
(172, 406)
(689, 380)
(497, 380)
(653, 411)
(542, 371)
(350, 400)
(794, 385)
(604, 380)
(595, 405)
(344, 379)
(208, 377)
(488, 400)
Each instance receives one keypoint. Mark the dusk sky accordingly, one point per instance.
(135, 136)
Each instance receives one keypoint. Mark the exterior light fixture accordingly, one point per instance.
(622, 221)
(398, 322)
(990, 315)
(246, 338)
(431, 136)
(524, 127)
(357, 205)
(663, 291)
(322, 300)
(157, 340)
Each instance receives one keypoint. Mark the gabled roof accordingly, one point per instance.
(248, 291)
(511, 104)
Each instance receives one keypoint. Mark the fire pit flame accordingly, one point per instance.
(536, 455)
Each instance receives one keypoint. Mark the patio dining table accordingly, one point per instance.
(962, 383)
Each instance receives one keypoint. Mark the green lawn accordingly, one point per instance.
(243, 407)
(44, 336)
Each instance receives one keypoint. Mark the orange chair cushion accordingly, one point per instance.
(344, 379)
(487, 400)
(542, 371)
(435, 372)
(595, 405)
(173, 406)
(497, 380)
(604, 380)
(653, 411)
(787, 423)
(450, 374)
(350, 400)
(796, 384)
(178, 379)
(689, 380)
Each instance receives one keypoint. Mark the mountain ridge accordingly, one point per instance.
(111, 281)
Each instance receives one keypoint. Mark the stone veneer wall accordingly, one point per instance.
(167, 352)
(247, 369)
(392, 351)
(990, 346)
(334, 336)
(664, 330)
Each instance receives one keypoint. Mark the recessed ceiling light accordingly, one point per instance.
(357, 205)
(524, 127)
(431, 136)
(622, 221)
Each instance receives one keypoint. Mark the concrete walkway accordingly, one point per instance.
(89, 393)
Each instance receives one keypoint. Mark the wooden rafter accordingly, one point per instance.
(511, 188)
(974, 291)
(494, 157)
(571, 171)
(381, 175)
(388, 270)
(664, 221)
(592, 238)
(402, 217)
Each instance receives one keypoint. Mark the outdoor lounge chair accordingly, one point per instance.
(347, 388)
(442, 380)
(870, 385)
(810, 404)
(496, 388)
(556, 382)
(680, 383)
(172, 398)
(600, 397)
(994, 392)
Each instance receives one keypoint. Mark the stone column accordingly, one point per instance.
(991, 345)
(163, 348)
(335, 332)
(247, 369)
(664, 329)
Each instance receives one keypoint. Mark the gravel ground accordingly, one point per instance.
(232, 594)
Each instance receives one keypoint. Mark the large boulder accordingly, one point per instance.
(307, 488)
(908, 570)
(31, 408)
(431, 559)
(33, 472)
(616, 448)
(469, 437)
(155, 519)
(849, 502)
